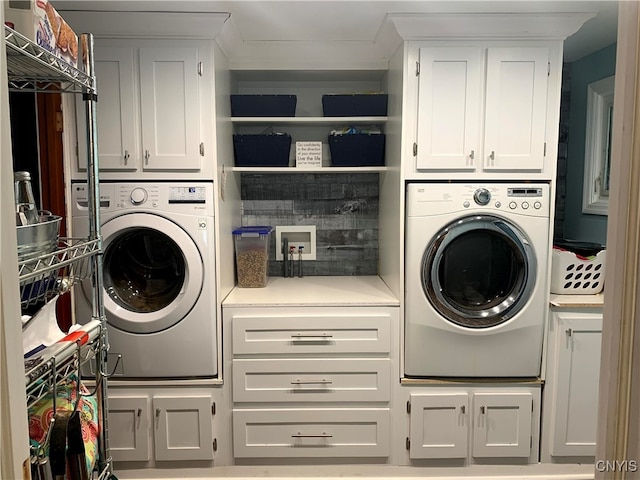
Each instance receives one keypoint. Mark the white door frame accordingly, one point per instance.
(619, 417)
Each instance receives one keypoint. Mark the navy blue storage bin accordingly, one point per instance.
(357, 150)
(263, 105)
(262, 150)
(355, 105)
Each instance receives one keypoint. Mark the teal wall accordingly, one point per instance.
(594, 67)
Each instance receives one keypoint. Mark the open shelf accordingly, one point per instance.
(309, 120)
(309, 170)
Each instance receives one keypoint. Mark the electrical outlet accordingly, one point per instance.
(297, 235)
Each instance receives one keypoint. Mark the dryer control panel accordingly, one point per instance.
(425, 199)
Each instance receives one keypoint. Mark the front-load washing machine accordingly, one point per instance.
(159, 277)
(475, 279)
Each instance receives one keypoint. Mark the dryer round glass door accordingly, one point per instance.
(153, 272)
(478, 271)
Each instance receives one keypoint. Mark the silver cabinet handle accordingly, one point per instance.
(309, 336)
(126, 156)
(569, 332)
(146, 157)
(472, 154)
(312, 382)
(158, 412)
(322, 435)
(463, 409)
(139, 412)
(482, 410)
(492, 157)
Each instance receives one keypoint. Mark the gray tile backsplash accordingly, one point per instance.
(342, 206)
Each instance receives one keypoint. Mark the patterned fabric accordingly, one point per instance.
(41, 413)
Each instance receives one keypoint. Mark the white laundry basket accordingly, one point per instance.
(577, 275)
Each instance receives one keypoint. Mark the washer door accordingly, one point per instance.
(479, 271)
(153, 272)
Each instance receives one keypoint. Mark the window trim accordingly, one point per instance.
(597, 133)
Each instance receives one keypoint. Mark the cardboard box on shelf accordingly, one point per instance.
(40, 22)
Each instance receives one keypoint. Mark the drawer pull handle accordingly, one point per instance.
(312, 382)
(311, 336)
(322, 435)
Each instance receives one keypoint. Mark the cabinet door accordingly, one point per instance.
(449, 104)
(183, 428)
(439, 425)
(502, 425)
(170, 108)
(117, 118)
(578, 376)
(129, 428)
(516, 106)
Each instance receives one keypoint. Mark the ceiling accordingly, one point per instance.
(360, 20)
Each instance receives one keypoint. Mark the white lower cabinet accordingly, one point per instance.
(129, 428)
(311, 382)
(171, 427)
(474, 424)
(572, 383)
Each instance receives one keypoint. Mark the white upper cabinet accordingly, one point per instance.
(515, 109)
(449, 108)
(152, 110)
(119, 137)
(481, 109)
(169, 108)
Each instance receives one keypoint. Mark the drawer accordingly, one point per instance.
(295, 333)
(312, 380)
(311, 433)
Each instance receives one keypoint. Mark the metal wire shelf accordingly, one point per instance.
(59, 362)
(32, 68)
(45, 276)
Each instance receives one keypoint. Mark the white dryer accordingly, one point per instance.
(475, 279)
(159, 277)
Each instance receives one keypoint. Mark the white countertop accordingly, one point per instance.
(322, 291)
(585, 301)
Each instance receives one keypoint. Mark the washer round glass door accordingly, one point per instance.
(478, 271)
(153, 272)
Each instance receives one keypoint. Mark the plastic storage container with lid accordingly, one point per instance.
(252, 255)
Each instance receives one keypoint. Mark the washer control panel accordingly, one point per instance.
(187, 198)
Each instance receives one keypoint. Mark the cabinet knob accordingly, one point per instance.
(146, 157)
(463, 409)
(139, 412)
(472, 154)
(492, 156)
(482, 410)
(126, 156)
(157, 412)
